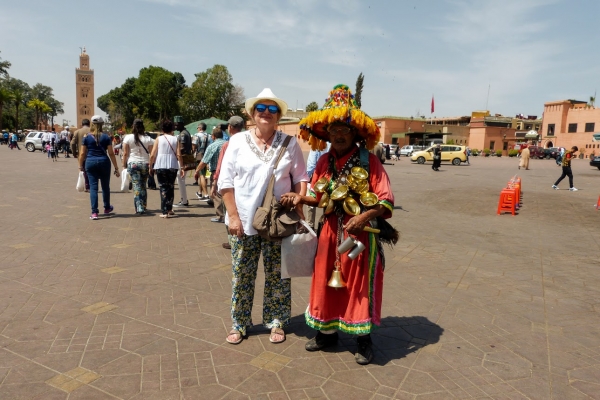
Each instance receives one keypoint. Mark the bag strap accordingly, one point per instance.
(169, 143)
(144, 147)
(269, 193)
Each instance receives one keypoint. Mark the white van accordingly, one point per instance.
(409, 149)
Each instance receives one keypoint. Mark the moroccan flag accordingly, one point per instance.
(432, 105)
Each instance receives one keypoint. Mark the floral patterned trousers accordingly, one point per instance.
(166, 180)
(139, 176)
(277, 298)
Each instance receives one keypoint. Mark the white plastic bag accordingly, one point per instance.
(80, 182)
(298, 253)
(124, 181)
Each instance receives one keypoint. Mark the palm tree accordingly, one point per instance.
(5, 98)
(4, 66)
(18, 97)
(38, 106)
(592, 100)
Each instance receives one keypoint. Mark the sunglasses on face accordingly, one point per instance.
(262, 107)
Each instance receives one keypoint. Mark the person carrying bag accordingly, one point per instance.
(272, 220)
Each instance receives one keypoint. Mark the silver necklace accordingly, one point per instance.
(265, 143)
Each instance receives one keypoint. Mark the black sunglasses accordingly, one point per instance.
(263, 107)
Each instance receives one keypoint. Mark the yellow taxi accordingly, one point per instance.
(450, 153)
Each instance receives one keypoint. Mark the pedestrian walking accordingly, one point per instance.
(199, 147)
(95, 158)
(15, 141)
(137, 147)
(210, 160)
(165, 160)
(184, 147)
(525, 156)
(77, 141)
(437, 158)
(53, 153)
(566, 169)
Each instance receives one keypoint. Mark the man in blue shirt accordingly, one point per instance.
(211, 160)
(15, 141)
(311, 164)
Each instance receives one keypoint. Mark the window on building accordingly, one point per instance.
(551, 129)
(589, 126)
(492, 144)
(572, 128)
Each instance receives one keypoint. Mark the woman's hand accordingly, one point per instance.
(356, 224)
(290, 199)
(235, 226)
(117, 173)
(182, 172)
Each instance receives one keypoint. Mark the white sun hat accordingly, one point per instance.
(266, 94)
(97, 119)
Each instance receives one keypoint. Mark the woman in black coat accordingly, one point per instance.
(437, 158)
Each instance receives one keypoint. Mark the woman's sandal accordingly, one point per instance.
(277, 331)
(234, 337)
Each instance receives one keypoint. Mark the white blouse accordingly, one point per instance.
(137, 154)
(166, 156)
(247, 169)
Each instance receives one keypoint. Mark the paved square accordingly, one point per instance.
(476, 305)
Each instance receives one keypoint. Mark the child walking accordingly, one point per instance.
(53, 151)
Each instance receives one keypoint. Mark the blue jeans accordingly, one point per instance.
(98, 170)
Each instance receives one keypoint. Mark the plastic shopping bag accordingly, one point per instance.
(298, 253)
(125, 181)
(80, 182)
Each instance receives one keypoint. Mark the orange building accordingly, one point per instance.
(569, 123)
(84, 88)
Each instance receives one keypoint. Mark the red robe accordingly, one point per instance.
(356, 308)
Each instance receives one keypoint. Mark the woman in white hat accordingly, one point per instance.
(245, 172)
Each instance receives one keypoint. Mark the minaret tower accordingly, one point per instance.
(84, 86)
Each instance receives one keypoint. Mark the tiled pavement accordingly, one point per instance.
(475, 305)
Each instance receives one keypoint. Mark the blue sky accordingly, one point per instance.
(527, 51)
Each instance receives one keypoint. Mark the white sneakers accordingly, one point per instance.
(573, 189)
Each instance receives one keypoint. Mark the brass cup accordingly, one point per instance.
(324, 200)
(362, 187)
(339, 193)
(368, 199)
(352, 180)
(321, 185)
(351, 206)
(329, 207)
(359, 172)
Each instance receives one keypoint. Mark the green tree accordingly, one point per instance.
(359, 89)
(18, 98)
(121, 104)
(4, 66)
(5, 98)
(39, 107)
(212, 94)
(312, 106)
(159, 91)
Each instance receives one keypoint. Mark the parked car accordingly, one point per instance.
(33, 141)
(595, 162)
(452, 153)
(537, 152)
(552, 152)
(409, 149)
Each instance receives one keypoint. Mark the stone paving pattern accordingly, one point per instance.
(475, 305)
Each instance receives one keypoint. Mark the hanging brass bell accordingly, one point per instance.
(336, 280)
(369, 199)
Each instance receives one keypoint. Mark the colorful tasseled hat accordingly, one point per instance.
(340, 106)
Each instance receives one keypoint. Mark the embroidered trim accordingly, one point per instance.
(340, 325)
(268, 156)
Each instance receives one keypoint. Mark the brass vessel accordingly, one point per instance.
(321, 185)
(369, 199)
(324, 200)
(360, 173)
(362, 187)
(339, 193)
(329, 207)
(351, 206)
